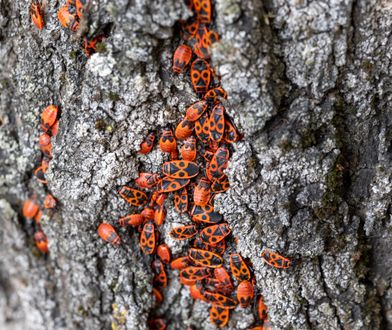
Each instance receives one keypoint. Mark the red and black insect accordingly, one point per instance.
(196, 110)
(196, 291)
(148, 213)
(205, 214)
(188, 149)
(213, 94)
(219, 300)
(183, 232)
(182, 57)
(147, 180)
(180, 263)
(167, 142)
(40, 171)
(205, 258)
(180, 169)
(163, 252)
(202, 128)
(181, 200)
(37, 15)
(218, 164)
(189, 28)
(133, 196)
(67, 19)
(48, 117)
(133, 220)
(275, 260)
(225, 285)
(231, 132)
(261, 309)
(148, 238)
(45, 145)
(202, 192)
(160, 278)
(30, 208)
(245, 293)
(41, 241)
(159, 215)
(200, 76)
(148, 143)
(219, 316)
(239, 268)
(221, 185)
(184, 129)
(108, 234)
(90, 44)
(168, 184)
(203, 10)
(194, 273)
(214, 234)
(217, 123)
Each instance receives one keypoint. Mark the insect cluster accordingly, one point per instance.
(194, 175)
(70, 17)
(31, 209)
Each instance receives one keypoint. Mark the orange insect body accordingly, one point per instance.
(168, 184)
(133, 196)
(80, 7)
(158, 296)
(196, 110)
(182, 57)
(221, 185)
(219, 300)
(212, 95)
(231, 133)
(90, 44)
(217, 123)
(108, 234)
(202, 128)
(239, 268)
(41, 241)
(133, 220)
(275, 260)
(218, 164)
(37, 15)
(40, 171)
(188, 149)
(202, 192)
(183, 232)
(214, 234)
(38, 216)
(147, 180)
(203, 10)
(205, 258)
(30, 208)
(55, 128)
(180, 169)
(163, 252)
(181, 200)
(205, 214)
(245, 293)
(195, 273)
(49, 202)
(261, 309)
(200, 75)
(48, 117)
(148, 143)
(148, 213)
(184, 129)
(160, 215)
(148, 238)
(45, 145)
(196, 292)
(219, 316)
(189, 28)
(224, 280)
(68, 20)
(180, 263)
(160, 278)
(167, 142)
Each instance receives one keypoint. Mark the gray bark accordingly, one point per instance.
(309, 86)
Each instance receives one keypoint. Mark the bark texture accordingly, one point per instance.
(310, 87)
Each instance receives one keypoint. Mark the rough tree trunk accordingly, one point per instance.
(309, 85)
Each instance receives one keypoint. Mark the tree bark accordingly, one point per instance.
(309, 86)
